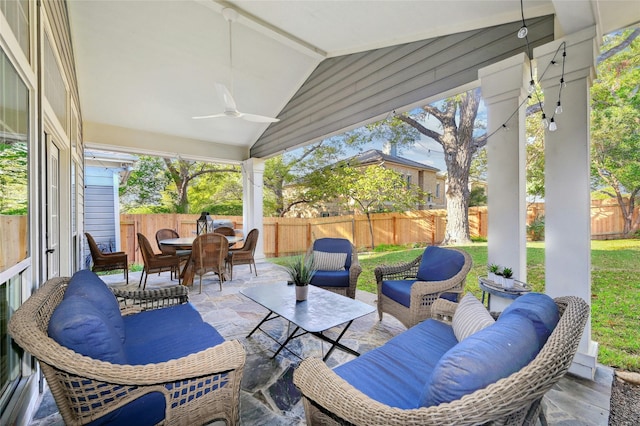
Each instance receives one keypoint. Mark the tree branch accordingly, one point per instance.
(419, 127)
(623, 45)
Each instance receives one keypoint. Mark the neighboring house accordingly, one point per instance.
(428, 178)
(104, 173)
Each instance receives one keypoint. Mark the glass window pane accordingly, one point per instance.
(14, 166)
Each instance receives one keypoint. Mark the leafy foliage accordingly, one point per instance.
(13, 177)
(615, 117)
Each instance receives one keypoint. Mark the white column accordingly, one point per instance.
(503, 90)
(252, 196)
(567, 179)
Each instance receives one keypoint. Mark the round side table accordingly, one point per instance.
(489, 288)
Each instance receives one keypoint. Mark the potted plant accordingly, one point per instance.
(494, 271)
(301, 270)
(507, 278)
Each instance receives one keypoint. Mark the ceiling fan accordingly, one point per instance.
(230, 108)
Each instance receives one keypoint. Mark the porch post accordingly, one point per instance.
(503, 90)
(252, 211)
(567, 179)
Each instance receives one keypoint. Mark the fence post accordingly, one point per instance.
(395, 230)
(433, 228)
(277, 246)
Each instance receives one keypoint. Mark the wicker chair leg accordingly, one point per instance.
(141, 276)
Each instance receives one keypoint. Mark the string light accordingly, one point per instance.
(559, 108)
(552, 125)
(523, 31)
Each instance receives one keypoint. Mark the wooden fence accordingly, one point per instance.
(288, 236)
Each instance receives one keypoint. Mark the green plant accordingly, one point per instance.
(493, 268)
(507, 272)
(300, 269)
(536, 229)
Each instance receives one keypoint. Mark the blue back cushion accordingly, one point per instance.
(540, 309)
(334, 245)
(395, 373)
(483, 358)
(79, 326)
(439, 264)
(88, 285)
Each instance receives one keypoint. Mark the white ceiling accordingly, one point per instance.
(146, 67)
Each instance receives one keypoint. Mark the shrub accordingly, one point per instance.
(536, 229)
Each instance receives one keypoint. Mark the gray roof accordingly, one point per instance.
(377, 156)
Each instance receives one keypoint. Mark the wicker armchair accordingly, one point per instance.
(86, 389)
(107, 261)
(423, 293)
(155, 262)
(342, 282)
(514, 400)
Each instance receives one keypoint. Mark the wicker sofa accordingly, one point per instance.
(148, 359)
(424, 376)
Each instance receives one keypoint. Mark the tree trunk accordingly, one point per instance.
(457, 230)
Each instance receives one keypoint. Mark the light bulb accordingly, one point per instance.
(563, 84)
(553, 126)
(545, 122)
(532, 86)
(523, 31)
(505, 127)
(559, 108)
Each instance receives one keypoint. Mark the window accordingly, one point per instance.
(16, 12)
(437, 190)
(14, 209)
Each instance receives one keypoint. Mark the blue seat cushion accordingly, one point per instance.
(166, 334)
(148, 410)
(87, 284)
(483, 358)
(331, 279)
(395, 374)
(149, 325)
(439, 264)
(540, 309)
(79, 326)
(334, 245)
(398, 290)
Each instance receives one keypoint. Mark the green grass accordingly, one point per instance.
(615, 290)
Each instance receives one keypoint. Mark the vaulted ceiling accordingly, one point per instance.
(146, 67)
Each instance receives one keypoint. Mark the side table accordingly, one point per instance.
(490, 287)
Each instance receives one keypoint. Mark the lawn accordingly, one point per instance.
(615, 290)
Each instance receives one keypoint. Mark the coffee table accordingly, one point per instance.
(321, 311)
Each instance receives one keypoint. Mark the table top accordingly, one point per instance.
(519, 288)
(188, 241)
(321, 311)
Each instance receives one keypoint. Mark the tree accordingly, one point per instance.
(457, 119)
(367, 189)
(162, 185)
(615, 117)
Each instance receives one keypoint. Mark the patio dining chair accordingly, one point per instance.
(244, 255)
(208, 254)
(105, 261)
(226, 230)
(154, 262)
(166, 234)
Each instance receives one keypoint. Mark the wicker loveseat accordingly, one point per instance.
(151, 360)
(414, 379)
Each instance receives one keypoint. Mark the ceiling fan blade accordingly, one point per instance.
(225, 97)
(258, 118)
(200, 117)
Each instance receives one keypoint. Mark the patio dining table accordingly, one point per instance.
(185, 243)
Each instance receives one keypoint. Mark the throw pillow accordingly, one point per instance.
(324, 261)
(470, 317)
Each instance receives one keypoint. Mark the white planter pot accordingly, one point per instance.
(507, 283)
(301, 292)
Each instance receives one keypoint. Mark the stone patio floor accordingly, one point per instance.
(268, 395)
